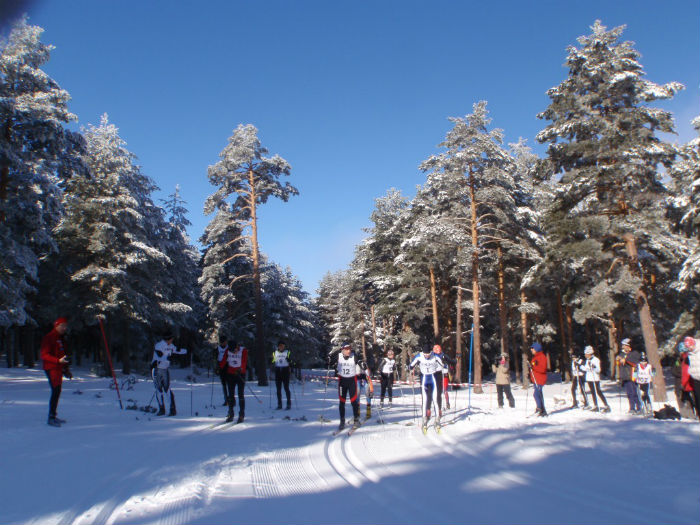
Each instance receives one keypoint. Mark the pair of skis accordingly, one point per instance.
(436, 426)
(350, 431)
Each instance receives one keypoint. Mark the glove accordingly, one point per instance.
(153, 364)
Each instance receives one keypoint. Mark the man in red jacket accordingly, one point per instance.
(55, 365)
(538, 374)
(233, 366)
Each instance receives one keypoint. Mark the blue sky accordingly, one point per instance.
(354, 95)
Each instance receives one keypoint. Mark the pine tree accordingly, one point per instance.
(476, 152)
(37, 153)
(603, 142)
(247, 174)
(110, 241)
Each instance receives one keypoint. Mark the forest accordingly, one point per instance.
(595, 241)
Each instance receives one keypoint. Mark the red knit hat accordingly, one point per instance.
(60, 320)
(689, 343)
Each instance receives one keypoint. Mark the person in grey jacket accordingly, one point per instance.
(627, 361)
(502, 370)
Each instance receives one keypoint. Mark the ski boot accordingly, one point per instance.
(161, 410)
(605, 409)
(229, 418)
(53, 422)
(241, 416)
(438, 425)
(289, 405)
(341, 426)
(390, 405)
(61, 421)
(355, 425)
(279, 406)
(424, 426)
(369, 412)
(173, 412)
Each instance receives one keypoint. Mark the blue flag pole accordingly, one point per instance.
(471, 344)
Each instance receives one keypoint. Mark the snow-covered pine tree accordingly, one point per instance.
(476, 152)
(288, 315)
(684, 212)
(36, 154)
(184, 305)
(251, 178)
(110, 245)
(225, 280)
(604, 144)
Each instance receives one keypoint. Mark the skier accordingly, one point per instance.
(347, 370)
(538, 375)
(160, 366)
(693, 350)
(445, 372)
(430, 366)
(644, 375)
(683, 384)
(386, 372)
(223, 346)
(592, 369)
(502, 371)
(282, 362)
(233, 368)
(55, 364)
(627, 362)
(578, 381)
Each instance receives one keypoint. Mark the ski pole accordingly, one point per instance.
(211, 400)
(148, 406)
(251, 391)
(294, 394)
(109, 355)
(191, 380)
(325, 390)
(471, 359)
(269, 389)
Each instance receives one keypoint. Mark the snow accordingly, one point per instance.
(488, 465)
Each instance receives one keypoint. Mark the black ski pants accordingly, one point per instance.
(594, 387)
(504, 389)
(347, 387)
(235, 381)
(579, 383)
(282, 374)
(224, 385)
(387, 384)
(55, 395)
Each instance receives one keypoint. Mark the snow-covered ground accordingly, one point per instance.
(488, 466)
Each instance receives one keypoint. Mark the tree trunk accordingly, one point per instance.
(524, 345)
(5, 171)
(374, 327)
(458, 334)
(564, 367)
(613, 348)
(27, 346)
(476, 324)
(433, 297)
(405, 355)
(515, 358)
(502, 314)
(260, 369)
(650, 343)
